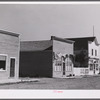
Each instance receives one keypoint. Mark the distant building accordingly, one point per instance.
(9, 55)
(87, 61)
(48, 58)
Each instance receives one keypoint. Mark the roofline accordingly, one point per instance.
(81, 37)
(23, 41)
(96, 41)
(9, 33)
(61, 39)
(85, 38)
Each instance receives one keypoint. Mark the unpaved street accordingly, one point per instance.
(57, 83)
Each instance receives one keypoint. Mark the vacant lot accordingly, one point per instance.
(56, 83)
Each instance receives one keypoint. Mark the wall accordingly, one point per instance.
(92, 73)
(9, 46)
(36, 64)
(92, 45)
(61, 48)
(81, 71)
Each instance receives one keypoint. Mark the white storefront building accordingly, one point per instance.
(91, 45)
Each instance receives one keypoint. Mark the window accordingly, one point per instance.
(92, 52)
(95, 52)
(82, 71)
(57, 68)
(58, 65)
(91, 66)
(97, 67)
(86, 71)
(2, 62)
(68, 65)
(68, 68)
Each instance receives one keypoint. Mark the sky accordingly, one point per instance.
(41, 21)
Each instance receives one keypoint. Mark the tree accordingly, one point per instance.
(81, 58)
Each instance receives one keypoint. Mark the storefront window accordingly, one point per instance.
(58, 65)
(69, 67)
(57, 68)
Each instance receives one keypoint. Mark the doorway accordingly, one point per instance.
(94, 69)
(63, 68)
(12, 67)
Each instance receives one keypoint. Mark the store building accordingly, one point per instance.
(9, 55)
(87, 60)
(48, 58)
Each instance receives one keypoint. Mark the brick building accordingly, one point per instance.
(9, 55)
(48, 58)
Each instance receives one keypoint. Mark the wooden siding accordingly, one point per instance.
(9, 46)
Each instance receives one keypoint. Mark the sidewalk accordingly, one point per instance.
(81, 76)
(20, 80)
(85, 76)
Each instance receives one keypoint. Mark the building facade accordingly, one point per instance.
(94, 59)
(50, 58)
(87, 59)
(9, 55)
(63, 57)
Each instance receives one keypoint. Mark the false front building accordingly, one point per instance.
(49, 58)
(87, 59)
(9, 55)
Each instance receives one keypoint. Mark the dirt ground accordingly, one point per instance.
(57, 83)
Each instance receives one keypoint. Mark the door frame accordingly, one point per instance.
(94, 68)
(10, 66)
(64, 69)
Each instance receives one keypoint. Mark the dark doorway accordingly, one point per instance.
(12, 67)
(63, 68)
(94, 69)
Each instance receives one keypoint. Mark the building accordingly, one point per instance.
(48, 58)
(86, 50)
(9, 55)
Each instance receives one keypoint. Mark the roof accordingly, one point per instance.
(40, 45)
(9, 33)
(61, 39)
(35, 45)
(85, 39)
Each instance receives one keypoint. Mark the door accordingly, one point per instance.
(94, 69)
(12, 67)
(63, 68)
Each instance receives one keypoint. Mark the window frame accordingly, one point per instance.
(58, 66)
(6, 62)
(15, 63)
(97, 67)
(95, 52)
(92, 52)
(91, 67)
